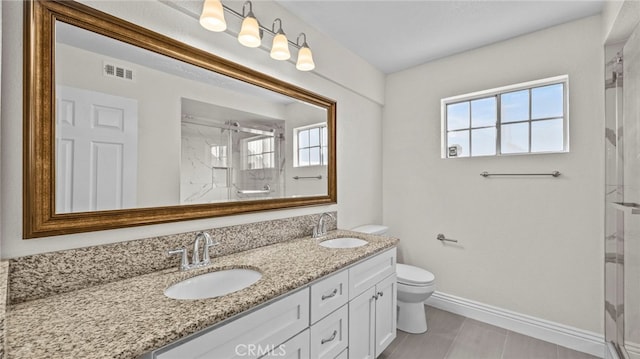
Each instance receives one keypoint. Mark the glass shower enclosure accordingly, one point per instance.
(622, 208)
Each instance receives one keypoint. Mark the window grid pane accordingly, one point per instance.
(483, 112)
(530, 120)
(458, 116)
(260, 153)
(312, 146)
(515, 106)
(547, 101)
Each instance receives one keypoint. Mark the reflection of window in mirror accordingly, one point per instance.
(219, 156)
(259, 153)
(310, 145)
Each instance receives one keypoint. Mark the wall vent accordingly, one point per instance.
(120, 72)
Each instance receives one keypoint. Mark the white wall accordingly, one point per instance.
(531, 245)
(355, 85)
(619, 18)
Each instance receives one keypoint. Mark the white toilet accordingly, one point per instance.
(415, 285)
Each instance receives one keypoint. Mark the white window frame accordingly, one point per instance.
(323, 161)
(564, 79)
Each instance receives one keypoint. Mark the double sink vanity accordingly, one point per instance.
(301, 298)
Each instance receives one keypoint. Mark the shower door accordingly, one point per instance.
(622, 214)
(223, 161)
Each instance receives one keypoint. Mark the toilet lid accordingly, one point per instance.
(408, 274)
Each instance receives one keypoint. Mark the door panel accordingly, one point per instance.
(386, 312)
(96, 139)
(362, 316)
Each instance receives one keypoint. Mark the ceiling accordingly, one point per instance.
(395, 35)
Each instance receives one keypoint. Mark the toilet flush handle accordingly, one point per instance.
(442, 238)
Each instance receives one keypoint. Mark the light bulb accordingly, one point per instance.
(212, 17)
(305, 59)
(280, 47)
(249, 35)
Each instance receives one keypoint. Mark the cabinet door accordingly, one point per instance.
(386, 312)
(362, 317)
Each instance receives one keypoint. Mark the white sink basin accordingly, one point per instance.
(344, 242)
(213, 284)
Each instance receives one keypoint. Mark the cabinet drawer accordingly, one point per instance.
(330, 336)
(366, 274)
(328, 295)
(343, 355)
(294, 348)
(250, 336)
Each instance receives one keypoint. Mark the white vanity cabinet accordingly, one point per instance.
(250, 336)
(349, 314)
(372, 311)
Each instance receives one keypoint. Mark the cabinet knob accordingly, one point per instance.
(380, 294)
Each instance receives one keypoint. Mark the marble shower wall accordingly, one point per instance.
(204, 164)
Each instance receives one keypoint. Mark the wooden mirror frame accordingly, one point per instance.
(39, 216)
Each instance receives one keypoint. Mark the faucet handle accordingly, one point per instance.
(209, 242)
(184, 264)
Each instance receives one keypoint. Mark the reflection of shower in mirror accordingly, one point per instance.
(230, 155)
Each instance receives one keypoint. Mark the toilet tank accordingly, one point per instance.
(372, 229)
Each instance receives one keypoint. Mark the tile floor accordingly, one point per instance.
(452, 336)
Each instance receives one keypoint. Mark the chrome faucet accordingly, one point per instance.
(320, 229)
(195, 254)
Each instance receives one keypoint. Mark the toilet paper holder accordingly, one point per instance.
(442, 238)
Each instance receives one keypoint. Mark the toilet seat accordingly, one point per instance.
(413, 276)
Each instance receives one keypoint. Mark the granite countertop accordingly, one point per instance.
(128, 318)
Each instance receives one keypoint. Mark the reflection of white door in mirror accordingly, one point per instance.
(96, 151)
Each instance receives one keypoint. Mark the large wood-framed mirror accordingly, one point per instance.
(126, 127)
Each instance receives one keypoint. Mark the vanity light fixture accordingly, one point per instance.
(212, 17)
(280, 46)
(250, 34)
(305, 58)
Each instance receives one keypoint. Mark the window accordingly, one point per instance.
(310, 145)
(525, 118)
(258, 153)
(218, 156)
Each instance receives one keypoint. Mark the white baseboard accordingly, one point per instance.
(633, 349)
(563, 335)
(610, 352)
